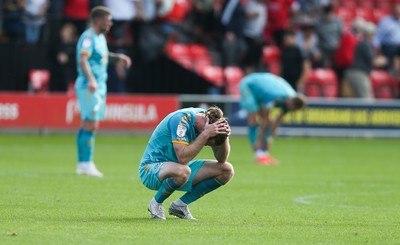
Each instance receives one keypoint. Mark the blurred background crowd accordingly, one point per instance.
(337, 48)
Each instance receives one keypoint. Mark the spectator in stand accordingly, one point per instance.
(172, 15)
(77, 13)
(294, 65)
(307, 41)
(34, 18)
(256, 17)
(278, 19)
(123, 11)
(202, 21)
(54, 19)
(12, 24)
(357, 76)
(329, 30)
(147, 40)
(63, 64)
(396, 70)
(309, 8)
(387, 37)
(232, 22)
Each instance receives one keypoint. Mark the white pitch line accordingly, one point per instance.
(308, 200)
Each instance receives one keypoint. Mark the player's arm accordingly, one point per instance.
(186, 152)
(265, 123)
(87, 71)
(114, 57)
(221, 152)
(277, 122)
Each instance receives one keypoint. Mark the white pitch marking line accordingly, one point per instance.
(308, 200)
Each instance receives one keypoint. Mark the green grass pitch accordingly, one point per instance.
(325, 191)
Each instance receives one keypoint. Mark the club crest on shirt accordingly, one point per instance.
(181, 131)
(86, 43)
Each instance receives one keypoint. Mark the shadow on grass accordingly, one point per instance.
(128, 220)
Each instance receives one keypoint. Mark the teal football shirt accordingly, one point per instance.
(95, 47)
(177, 127)
(264, 88)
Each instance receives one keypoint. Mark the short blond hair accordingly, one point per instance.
(99, 12)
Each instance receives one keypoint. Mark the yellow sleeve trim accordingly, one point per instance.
(180, 142)
(85, 53)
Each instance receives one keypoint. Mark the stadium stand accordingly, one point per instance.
(39, 80)
(384, 86)
(271, 58)
(322, 83)
(233, 75)
(200, 57)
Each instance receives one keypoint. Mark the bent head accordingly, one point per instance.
(296, 103)
(213, 114)
(101, 19)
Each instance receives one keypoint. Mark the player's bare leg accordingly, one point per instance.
(210, 176)
(172, 175)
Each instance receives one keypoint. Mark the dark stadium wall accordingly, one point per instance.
(166, 77)
(16, 60)
(160, 76)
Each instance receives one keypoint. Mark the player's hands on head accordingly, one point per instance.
(219, 127)
(227, 127)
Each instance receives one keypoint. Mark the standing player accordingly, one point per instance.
(167, 164)
(260, 92)
(90, 86)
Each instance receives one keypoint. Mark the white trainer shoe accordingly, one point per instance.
(88, 169)
(156, 210)
(181, 212)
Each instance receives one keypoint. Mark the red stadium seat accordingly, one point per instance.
(365, 13)
(271, 58)
(233, 75)
(271, 52)
(196, 51)
(384, 3)
(313, 86)
(178, 12)
(384, 86)
(199, 63)
(214, 74)
(185, 62)
(313, 90)
(347, 14)
(177, 50)
(322, 82)
(381, 12)
(39, 80)
(366, 3)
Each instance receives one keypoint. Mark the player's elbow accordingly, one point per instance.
(81, 62)
(183, 160)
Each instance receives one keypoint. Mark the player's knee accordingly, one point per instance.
(183, 174)
(227, 172)
(90, 126)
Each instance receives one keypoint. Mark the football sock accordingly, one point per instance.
(168, 186)
(85, 143)
(253, 131)
(201, 189)
(267, 138)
